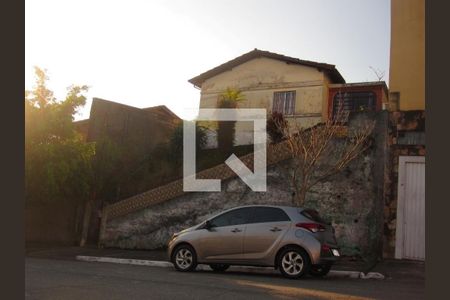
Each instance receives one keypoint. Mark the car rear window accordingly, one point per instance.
(313, 215)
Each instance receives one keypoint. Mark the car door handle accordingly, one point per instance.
(236, 230)
(275, 229)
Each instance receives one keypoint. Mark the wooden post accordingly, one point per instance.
(86, 220)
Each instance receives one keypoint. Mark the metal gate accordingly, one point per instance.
(410, 233)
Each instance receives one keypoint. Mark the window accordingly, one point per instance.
(234, 217)
(269, 214)
(284, 102)
(354, 101)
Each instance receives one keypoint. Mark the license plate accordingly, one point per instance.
(335, 252)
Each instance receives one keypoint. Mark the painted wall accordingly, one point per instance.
(407, 65)
(258, 79)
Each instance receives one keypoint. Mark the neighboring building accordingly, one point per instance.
(295, 87)
(407, 66)
(361, 96)
(138, 130)
(405, 185)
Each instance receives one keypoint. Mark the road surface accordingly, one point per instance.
(63, 279)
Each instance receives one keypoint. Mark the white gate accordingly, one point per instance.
(410, 233)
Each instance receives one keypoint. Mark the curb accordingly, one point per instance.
(264, 270)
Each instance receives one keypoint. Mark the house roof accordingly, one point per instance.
(362, 85)
(165, 114)
(331, 70)
(163, 109)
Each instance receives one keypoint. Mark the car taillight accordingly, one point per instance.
(313, 227)
(325, 248)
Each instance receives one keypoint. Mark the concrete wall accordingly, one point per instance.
(352, 200)
(259, 78)
(407, 58)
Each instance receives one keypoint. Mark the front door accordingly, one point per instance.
(224, 241)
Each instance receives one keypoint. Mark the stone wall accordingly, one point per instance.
(352, 200)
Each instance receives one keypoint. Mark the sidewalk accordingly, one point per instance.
(397, 269)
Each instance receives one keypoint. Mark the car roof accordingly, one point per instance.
(292, 211)
(268, 205)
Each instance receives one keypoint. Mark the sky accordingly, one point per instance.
(142, 53)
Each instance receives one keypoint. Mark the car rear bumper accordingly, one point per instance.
(330, 256)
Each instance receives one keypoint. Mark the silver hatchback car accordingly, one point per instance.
(294, 240)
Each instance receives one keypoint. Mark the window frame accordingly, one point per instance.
(249, 217)
(287, 109)
(350, 98)
(254, 212)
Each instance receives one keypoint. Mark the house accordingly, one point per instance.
(138, 130)
(303, 91)
(404, 213)
(297, 88)
(134, 133)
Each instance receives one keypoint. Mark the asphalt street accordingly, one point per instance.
(62, 279)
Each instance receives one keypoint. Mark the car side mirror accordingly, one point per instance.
(208, 225)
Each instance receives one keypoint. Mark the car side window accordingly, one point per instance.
(269, 214)
(234, 217)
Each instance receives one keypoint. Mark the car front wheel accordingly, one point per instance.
(184, 258)
(293, 263)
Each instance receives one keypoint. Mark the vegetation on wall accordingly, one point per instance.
(176, 142)
(276, 121)
(229, 99)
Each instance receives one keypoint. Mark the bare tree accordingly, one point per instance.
(323, 150)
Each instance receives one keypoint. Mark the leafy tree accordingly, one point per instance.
(176, 142)
(57, 160)
(226, 129)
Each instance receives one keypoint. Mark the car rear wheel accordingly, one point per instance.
(219, 267)
(293, 263)
(319, 270)
(184, 258)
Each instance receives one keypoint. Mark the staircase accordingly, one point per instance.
(275, 154)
